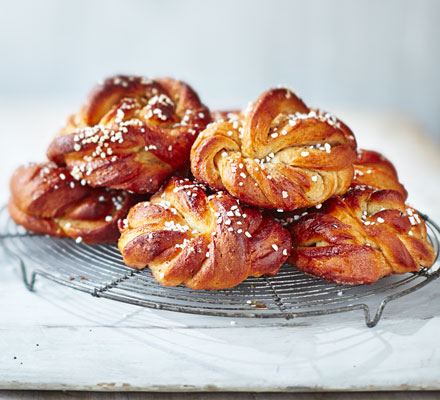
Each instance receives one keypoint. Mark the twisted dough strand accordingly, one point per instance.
(373, 169)
(46, 199)
(131, 134)
(279, 155)
(204, 242)
(361, 237)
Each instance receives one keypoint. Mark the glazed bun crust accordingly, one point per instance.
(360, 237)
(186, 236)
(132, 134)
(46, 199)
(373, 169)
(278, 154)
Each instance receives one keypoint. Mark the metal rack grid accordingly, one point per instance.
(99, 271)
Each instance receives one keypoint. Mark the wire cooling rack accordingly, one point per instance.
(99, 270)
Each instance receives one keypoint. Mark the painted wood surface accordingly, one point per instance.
(69, 395)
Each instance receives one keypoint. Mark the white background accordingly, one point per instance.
(380, 55)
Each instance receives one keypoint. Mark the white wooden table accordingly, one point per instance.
(60, 339)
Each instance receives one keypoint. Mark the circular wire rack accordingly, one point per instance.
(100, 271)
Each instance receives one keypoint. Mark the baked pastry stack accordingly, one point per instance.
(216, 181)
(131, 135)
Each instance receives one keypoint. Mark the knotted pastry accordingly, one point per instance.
(279, 154)
(132, 133)
(361, 237)
(374, 170)
(204, 242)
(46, 199)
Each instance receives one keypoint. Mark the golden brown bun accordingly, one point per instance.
(373, 169)
(204, 242)
(278, 154)
(46, 199)
(361, 237)
(132, 133)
